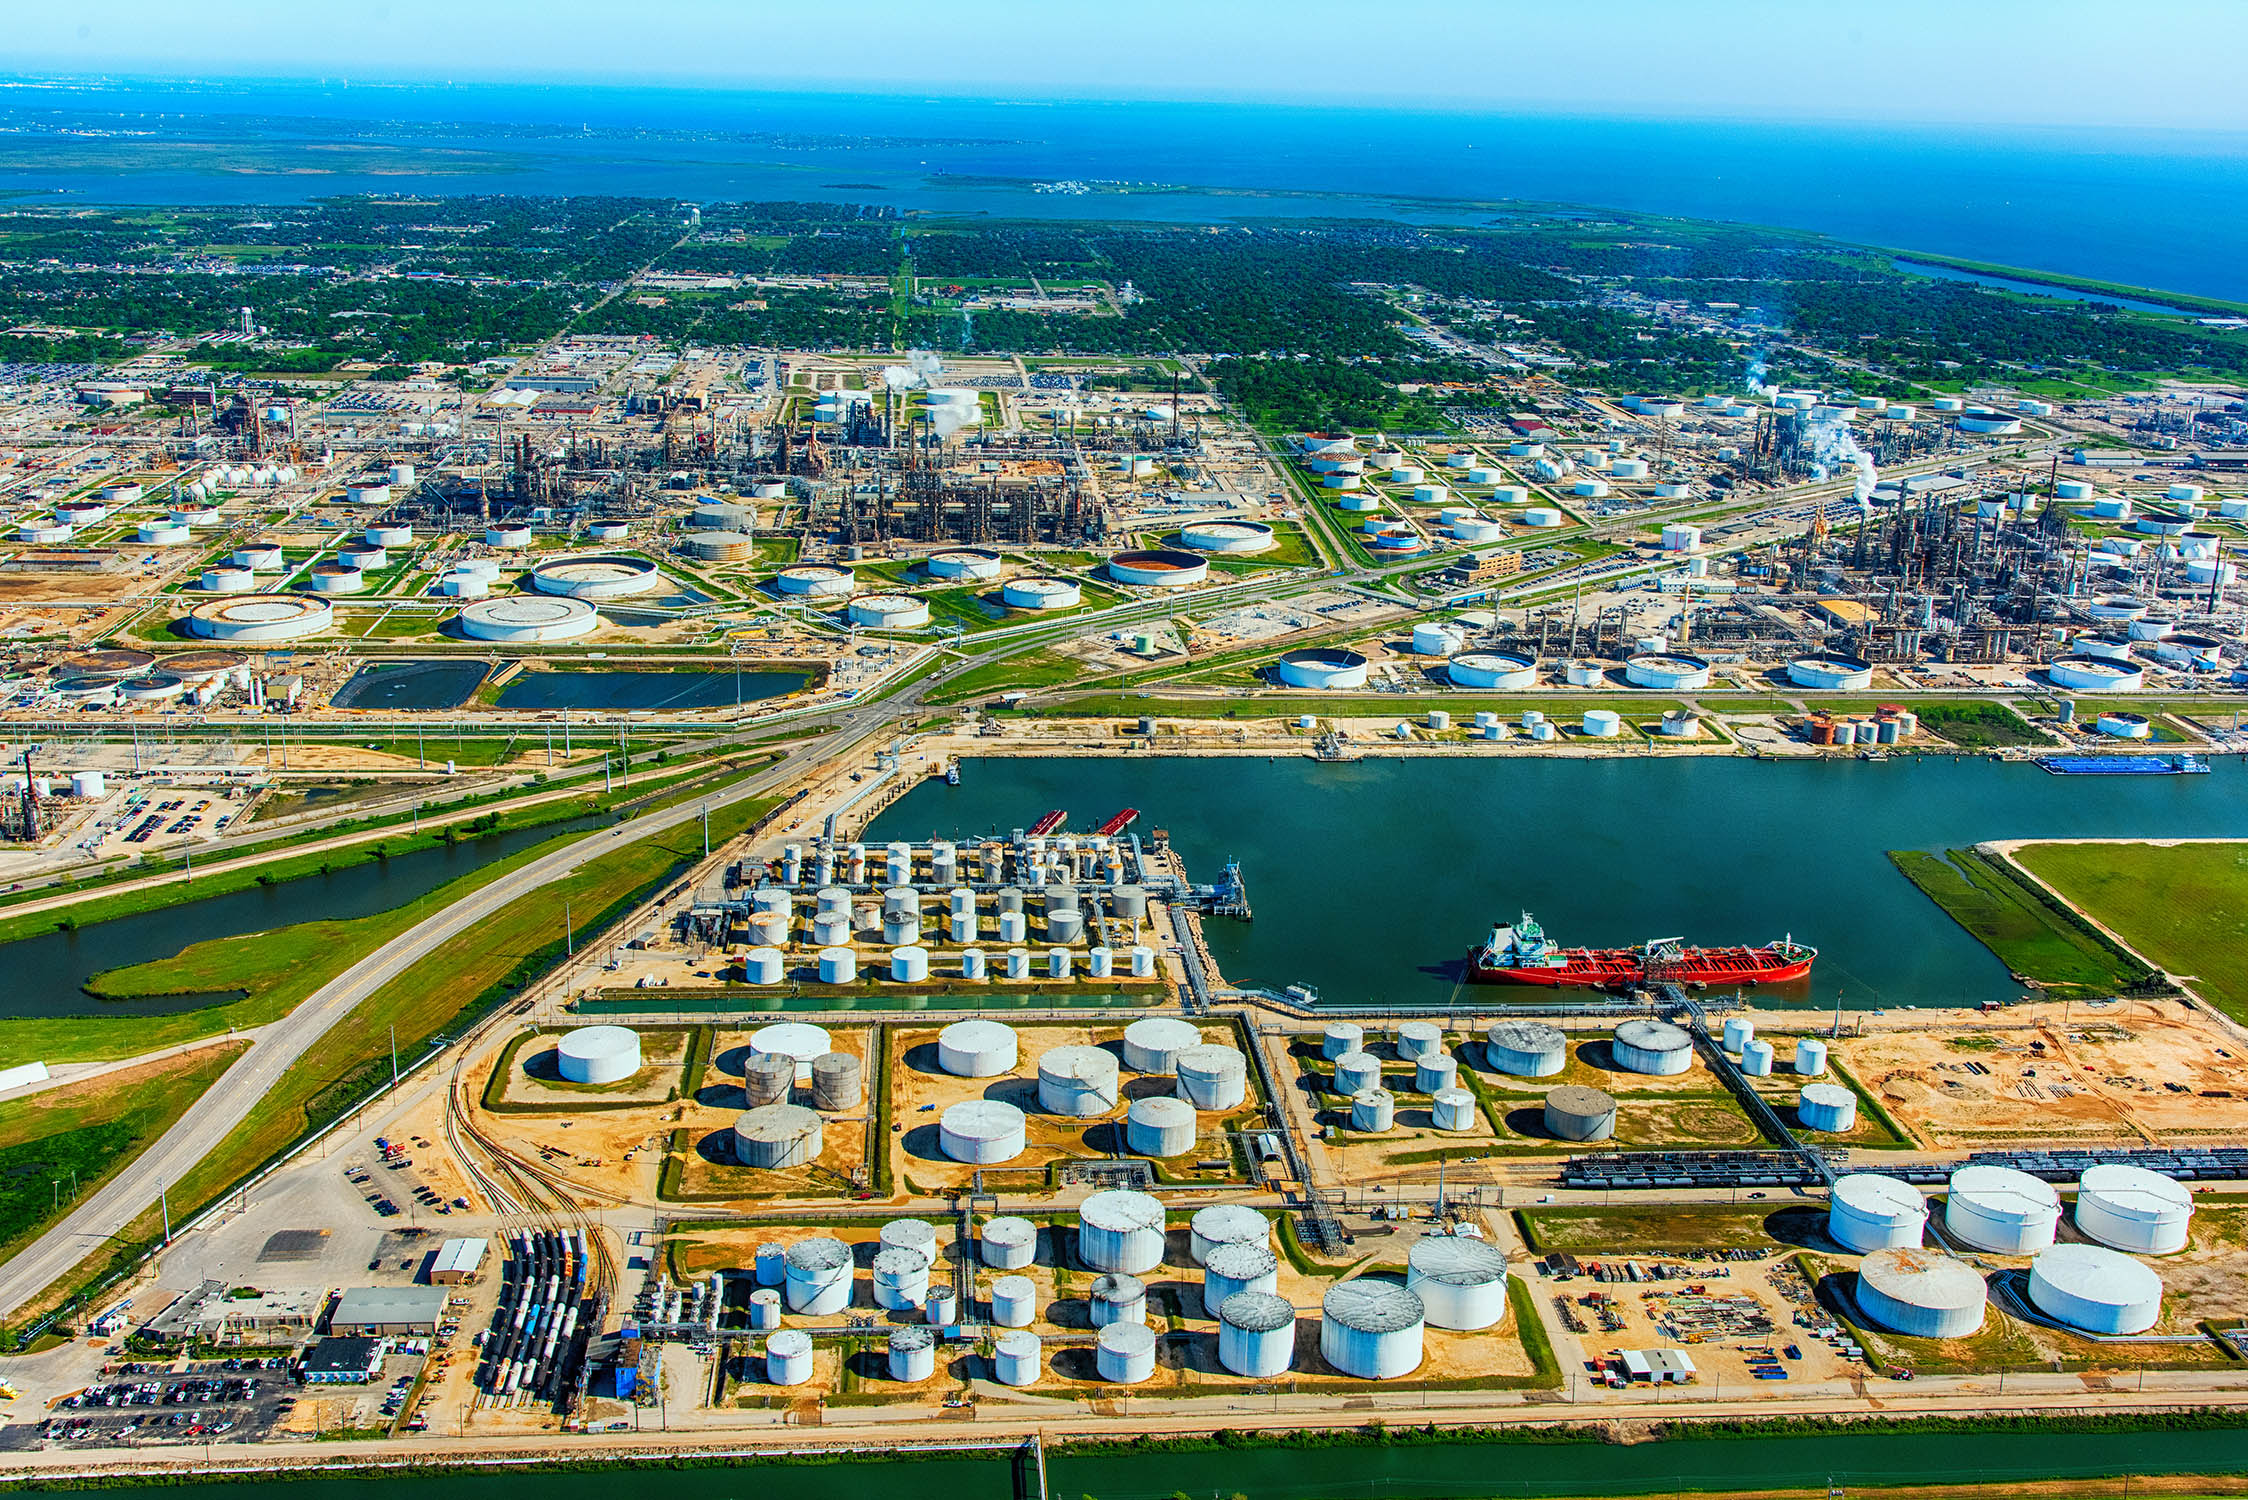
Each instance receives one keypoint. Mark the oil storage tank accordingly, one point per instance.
(1460, 1280)
(767, 1079)
(797, 1041)
(1125, 1353)
(1016, 1357)
(1256, 1334)
(2095, 1289)
(1236, 1268)
(1525, 1049)
(1921, 1293)
(1159, 1126)
(1007, 1243)
(2133, 1209)
(1827, 1107)
(984, 1132)
(1153, 1045)
(1014, 1301)
(788, 1357)
(1452, 1109)
(1356, 1072)
(1576, 1113)
(1371, 1329)
(1340, 1037)
(912, 1353)
(838, 1082)
(916, 1235)
(598, 1054)
(1868, 1212)
(1117, 1298)
(901, 1279)
(1120, 1230)
(1373, 1110)
(777, 1135)
(1213, 1077)
(1655, 1047)
(817, 1279)
(2000, 1209)
(1418, 1039)
(977, 1049)
(1323, 667)
(1077, 1081)
(1225, 1224)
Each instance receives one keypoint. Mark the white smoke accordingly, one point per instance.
(947, 420)
(1833, 443)
(1758, 369)
(921, 368)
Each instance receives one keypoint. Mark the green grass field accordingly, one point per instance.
(2185, 906)
(2014, 921)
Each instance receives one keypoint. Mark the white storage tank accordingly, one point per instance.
(1373, 1110)
(2133, 1209)
(1603, 723)
(916, 1235)
(1233, 1269)
(1810, 1057)
(1433, 1075)
(598, 1054)
(1757, 1058)
(1077, 1081)
(2095, 1289)
(985, 1132)
(1492, 669)
(1007, 1243)
(1225, 1224)
(1340, 1037)
(1826, 1106)
(770, 1263)
(1739, 1030)
(1117, 1298)
(1125, 1354)
(901, 1279)
(1654, 1047)
(764, 1310)
(910, 964)
(764, 966)
(1433, 639)
(838, 965)
(773, 1136)
(818, 1276)
(1017, 1357)
(977, 1049)
(1356, 1072)
(1159, 1126)
(2000, 1209)
(1213, 1077)
(1371, 1329)
(1525, 1049)
(1153, 1045)
(1576, 1113)
(1868, 1212)
(1418, 1039)
(1120, 1230)
(1921, 1293)
(1460, 1280)
(797, 1041)
(912, 1353)
(1256, 1334)
(1014, 1301)
(788, 1357)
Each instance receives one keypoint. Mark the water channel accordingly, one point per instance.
(50, 971)
(1371, 879)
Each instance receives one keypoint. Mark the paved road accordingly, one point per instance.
(277, 1046)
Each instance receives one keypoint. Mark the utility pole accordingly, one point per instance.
(164, 1196)
(706, 830)
(394, 1058)
(569, 932)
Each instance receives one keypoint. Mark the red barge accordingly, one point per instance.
(1520, 954)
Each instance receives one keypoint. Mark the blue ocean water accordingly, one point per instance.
(2151, 208)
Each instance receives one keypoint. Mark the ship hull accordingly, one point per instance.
(1609, 968)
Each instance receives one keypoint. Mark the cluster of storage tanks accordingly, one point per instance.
(2092, 1285)
(1357, 1076)
(1086, 1082)
(1370, 1328)
(774, 1132)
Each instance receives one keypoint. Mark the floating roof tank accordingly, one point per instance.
(598, 1054)
(1921, 1293)
(2000, 1209)
(1460, 1280)
(1256, 1334)
(1371, 1329)
(2132, 1208)
(2095, 1289)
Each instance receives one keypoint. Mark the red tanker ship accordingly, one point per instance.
(1521, 955)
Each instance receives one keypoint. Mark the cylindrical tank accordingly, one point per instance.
(772, 1136)
(767, 1079)
(771, 1262)
(788, 1356)
(1014, 1301)
(1014, 927)
(1370, 1329)
(909, 965)
(1159, 1126)
(1017, 1358)
(1810, 1057)
(942, 1308)
(765, 966)
(1077, 1081)
(1756, 1058)
(1418, 1039)
(1433, 1075)
(913, 1353)
(1868, 1212)
(2133, 1209)
(1212, 1077)
(916, 1235)
(1236, 1268)
(1655, 1047)
(2000, 1209)
(1153, 1045)
(985, 1132)
(1120, 1230)
(1460, 1280)
(1826, 1106)
(1525, 1049)
(1341, 1038)
(1225, 1224)
(832, 929)
(838, 1081)
(1576, 1113)
(2095, 1289)
(1739, 1030)
(1057, 963)
(598, 1054)
(1452, 1109)
(1117, 1298)
(1356, 1072)
(1256, 1334)
(972, 963)
(1007, 1243)
(901, 1278)
(1125, 1354)
(818, 1277)
(764, 1310)
(1373, 1110)
(838, 965)
(1921, 1293)
(1065, 926)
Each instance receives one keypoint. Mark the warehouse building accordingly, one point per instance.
(388, 1311)
(341, 1361)
(457, 1261)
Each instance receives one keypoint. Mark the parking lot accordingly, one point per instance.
(213, 1401)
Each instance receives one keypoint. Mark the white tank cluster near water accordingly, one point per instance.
(1653, 1047)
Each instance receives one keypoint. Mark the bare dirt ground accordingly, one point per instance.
(535, 1077)
(711, 1174)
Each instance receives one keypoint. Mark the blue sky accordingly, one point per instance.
(2165, 63)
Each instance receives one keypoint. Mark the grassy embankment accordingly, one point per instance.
(2185, 906)
(2031, 934)
(444, 991)
(60, 1144)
